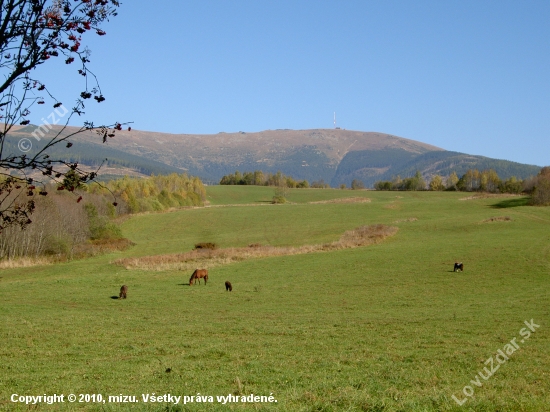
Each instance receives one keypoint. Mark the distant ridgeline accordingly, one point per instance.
(337, 157)
(94, 155)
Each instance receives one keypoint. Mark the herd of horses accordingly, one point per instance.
(197, 275)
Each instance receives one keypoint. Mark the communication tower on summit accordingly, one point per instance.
(335, 121)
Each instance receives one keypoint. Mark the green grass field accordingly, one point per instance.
(387, 327)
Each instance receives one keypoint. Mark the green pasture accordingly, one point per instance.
(257, 195)
(387, 327)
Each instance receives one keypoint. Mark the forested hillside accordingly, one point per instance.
(370, 166)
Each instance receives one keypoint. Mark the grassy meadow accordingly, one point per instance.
(385, 327)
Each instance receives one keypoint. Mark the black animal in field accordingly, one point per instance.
(459, 267)
(123, 292)
(228, 287)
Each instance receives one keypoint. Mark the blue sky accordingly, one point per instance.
(469, 76)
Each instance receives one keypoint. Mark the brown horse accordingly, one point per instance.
(228, 287)
(123, 292)
(197, 275)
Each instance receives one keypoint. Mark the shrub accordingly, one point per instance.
(206, 245)
(357, 184)
(411, 183)
(511, 185)
(100, 226)
(320, 184)
(278, 199)
(111, 231)
(383, 185)
(56, 245)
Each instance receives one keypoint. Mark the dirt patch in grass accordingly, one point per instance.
(410, 219)
(344, 200)
(101, 246)
(393, 205)
(208, 258)
(498, 219)
(27, 262)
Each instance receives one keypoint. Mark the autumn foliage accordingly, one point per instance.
(472, 181)
(81, 222)
(541, 188)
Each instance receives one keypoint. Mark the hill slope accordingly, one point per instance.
(334, 155)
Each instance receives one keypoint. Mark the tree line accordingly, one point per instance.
(153, 194)
(259, 178)
(475, 181)
(82, 218)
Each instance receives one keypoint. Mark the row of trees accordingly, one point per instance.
(259, 178)
(411, 183)
(472, 181)
(66, 222)
(58, 225)
(475, 181)
(61, 226)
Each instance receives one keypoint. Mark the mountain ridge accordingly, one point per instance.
(336, 156)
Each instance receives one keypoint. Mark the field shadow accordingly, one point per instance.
(114, 297)
(183, 284)
(504, 204)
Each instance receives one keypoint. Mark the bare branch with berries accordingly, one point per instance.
(32, 32)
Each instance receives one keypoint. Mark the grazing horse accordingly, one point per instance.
(228, 286)
(459, 267)
(197, 275)
(123, 292)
